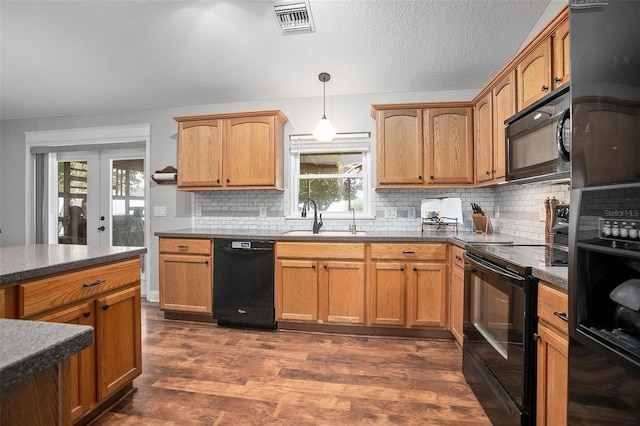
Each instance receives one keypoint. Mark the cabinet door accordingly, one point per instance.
(400, 147)
(83, 372)
(249, 158)
(484, 139)
(118, 340)
(534, 75)
(427, 295)
(200, 154)
(553, 350)
(297, 290)
(342, 292)
(504, 106)
(457, 302)
(388, 294)
(186, 283)
(449, 134)
(561, 54)
(3, 313)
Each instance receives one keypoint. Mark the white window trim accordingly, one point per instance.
(356, 142)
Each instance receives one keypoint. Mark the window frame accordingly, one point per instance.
(345, 143)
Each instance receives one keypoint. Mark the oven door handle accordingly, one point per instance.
(491, 267)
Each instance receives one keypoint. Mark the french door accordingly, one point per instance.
(100, 198)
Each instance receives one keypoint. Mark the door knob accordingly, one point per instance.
(102, 228)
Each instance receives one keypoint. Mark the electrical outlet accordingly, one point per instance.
(390, 213)
(411, 213)
(542, 213)
(263, 212)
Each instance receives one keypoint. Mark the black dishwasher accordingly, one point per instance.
(243, 294)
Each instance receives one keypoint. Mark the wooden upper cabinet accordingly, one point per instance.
(483, 142)
(534, 74)
(504, 106)
(250, 151)
(449, 137)
(231, 151)
(561, 54)
(400, 147)
(200, 153)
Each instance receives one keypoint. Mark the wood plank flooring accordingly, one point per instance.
(201, 374)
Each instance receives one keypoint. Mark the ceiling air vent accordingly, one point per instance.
(293, 17)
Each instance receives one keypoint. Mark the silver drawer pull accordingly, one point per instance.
(93, 283)
(183, 247)
(562, 316)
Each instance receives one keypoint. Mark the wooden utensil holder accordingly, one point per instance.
(482, 223)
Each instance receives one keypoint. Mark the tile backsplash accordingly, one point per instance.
(514, 209)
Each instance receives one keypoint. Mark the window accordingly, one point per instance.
(335, 175)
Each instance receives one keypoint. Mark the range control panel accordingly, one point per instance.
(623, 230)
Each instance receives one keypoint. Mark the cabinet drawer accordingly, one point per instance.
(52, 292)
(324, 251)
(409, 251)
(551, 304)
(457, 256)
(185, 245)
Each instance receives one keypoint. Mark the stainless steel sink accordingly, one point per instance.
(309, 233)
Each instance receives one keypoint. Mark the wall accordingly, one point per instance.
(348, 114)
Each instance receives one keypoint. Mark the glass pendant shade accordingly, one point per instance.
(324, 131)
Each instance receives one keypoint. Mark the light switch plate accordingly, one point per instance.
(391, 213)
(263, 212)
(159, 211)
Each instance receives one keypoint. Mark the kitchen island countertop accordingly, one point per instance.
(32, 346)
(31, 261)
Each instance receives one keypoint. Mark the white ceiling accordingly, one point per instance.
(77, 57)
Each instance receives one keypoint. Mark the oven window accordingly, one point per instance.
(491, 315)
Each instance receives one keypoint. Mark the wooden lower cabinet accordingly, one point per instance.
(408, 285)
(83, 364)
(553, 353)
(297, 290)
(388, 289)
(108, 299)
(412, 294)
(118, 340)
(457, 293)
(342, 289)
(186, 275)
(320, 282)
(372, 284)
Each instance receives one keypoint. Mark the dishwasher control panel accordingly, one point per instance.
(241, 244)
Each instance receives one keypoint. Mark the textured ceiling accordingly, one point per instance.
(78, 57)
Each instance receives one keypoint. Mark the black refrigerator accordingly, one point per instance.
(604, 238)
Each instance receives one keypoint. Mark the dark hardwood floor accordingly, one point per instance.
(201, 374)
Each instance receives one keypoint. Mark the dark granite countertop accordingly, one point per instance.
(31, 261)
(27, 347)
(462, 238)
(530, 253)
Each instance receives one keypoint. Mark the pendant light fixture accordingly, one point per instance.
(324, 131)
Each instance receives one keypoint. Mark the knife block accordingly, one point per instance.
(482, 223)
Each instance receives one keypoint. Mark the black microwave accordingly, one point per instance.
(538, 140)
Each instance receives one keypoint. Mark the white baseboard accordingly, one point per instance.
(153, 296)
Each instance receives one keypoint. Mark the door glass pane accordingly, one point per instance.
(127, 202)
(72, 202)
